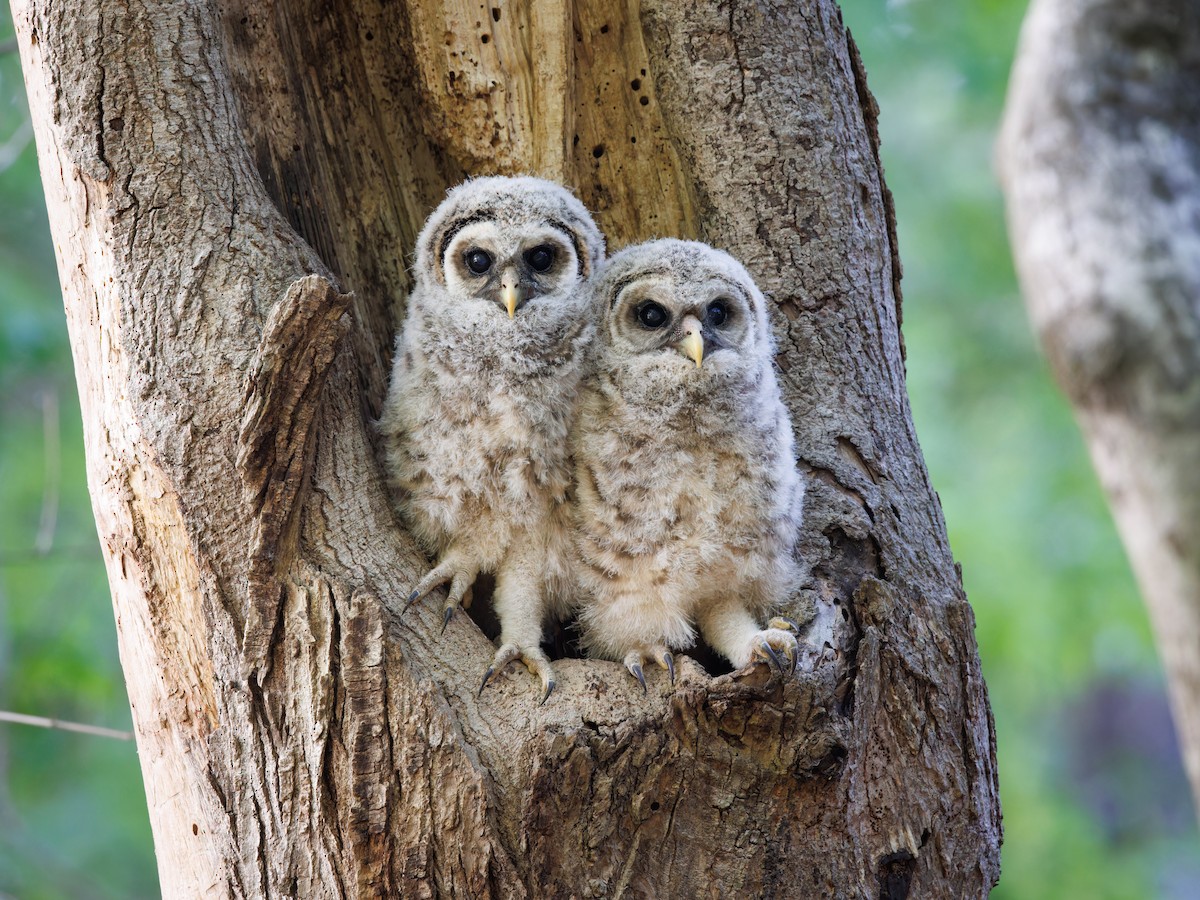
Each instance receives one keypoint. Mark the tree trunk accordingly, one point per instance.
(1100, 155)
(233, 190)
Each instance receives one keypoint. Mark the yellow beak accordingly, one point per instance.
(693, 346)
(508, 291)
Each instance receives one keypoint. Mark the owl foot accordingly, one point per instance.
(535, 661)
(776, 645)
(659, 653)
(784, 623)
(460, 579)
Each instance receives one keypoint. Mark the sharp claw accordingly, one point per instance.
(446, 617)
(791, 623)
(770, 651)
(550, 686)
(669, 661)
(487, 676)
(636, 671)
(412, 598)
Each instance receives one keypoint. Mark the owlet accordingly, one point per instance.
(688, 500)
(482, 397)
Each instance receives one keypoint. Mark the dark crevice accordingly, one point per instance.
(562, 640)
(839, 576)
(850, 560)
(101, 153)
(895, 875)
(832, 763)
(709, 659)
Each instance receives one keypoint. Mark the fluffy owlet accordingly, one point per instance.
(483, 393)
(688, 499)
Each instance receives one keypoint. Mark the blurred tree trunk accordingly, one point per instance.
(1100, 155)
(220, 178)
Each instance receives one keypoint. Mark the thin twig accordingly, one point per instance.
(43, 722)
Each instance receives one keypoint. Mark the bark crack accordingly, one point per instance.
(276, 439)
(100, 123)
(870, 113)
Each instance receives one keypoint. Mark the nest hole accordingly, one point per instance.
(562, 639)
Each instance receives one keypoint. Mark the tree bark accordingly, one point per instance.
(233, 191)
(1100, 155)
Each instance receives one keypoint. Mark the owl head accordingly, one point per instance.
(680, 312)
(507, 246)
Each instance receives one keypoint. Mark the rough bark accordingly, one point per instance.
(1100, 156)
(233, 190)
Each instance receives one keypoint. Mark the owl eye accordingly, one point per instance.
(652, 315)
(478, 261)
(540, 257)
(716, 314)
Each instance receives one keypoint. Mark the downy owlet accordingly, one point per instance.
(483, 393)
(688, 500)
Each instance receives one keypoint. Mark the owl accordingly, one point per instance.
(687, 500)
(482, 396)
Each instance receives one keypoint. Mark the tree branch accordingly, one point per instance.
(1100, 157)
(62, 724)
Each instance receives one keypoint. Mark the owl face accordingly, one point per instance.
(511, 266)
(507, 247)
(681, 310)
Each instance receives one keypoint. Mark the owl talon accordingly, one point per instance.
(790, 625)
(775, 646)
(460, 582)
(772, 655)
(412, 598)
(636, 671)
(784, 623)
(635, 659)
(535, 661)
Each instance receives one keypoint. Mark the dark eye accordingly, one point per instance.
(540, 258)
(652, 315)
(478, 261)
(716, 314)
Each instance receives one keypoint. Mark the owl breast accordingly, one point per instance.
(669, 520)
(498, 465)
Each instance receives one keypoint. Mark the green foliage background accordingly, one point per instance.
(1095, 802)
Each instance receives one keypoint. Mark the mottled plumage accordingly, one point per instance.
(483, 392)
(687, 497)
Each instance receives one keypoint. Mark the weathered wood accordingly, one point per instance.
(1100, 155)
(220, 178)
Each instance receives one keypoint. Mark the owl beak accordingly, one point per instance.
(510, 291)
(693, 341)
